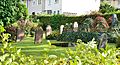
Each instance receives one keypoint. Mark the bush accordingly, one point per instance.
(10, 55)
(53, 36)
(84, 36)
(85, 54)
(57, 20)
(106, 8)
(11, 11)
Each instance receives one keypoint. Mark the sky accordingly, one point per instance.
(80, 6)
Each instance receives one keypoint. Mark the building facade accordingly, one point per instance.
(115, 3)
(67, 7)
(44, 6)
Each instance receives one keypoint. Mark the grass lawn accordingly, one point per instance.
(40, 50)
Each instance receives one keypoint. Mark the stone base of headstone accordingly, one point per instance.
(75, 29)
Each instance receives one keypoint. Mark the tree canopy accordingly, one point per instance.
(11, 11)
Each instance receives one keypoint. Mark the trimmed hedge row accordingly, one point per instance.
(84, 36)
(57, 20)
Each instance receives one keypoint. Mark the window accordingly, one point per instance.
(49, 2)
(56, 1)
(54, 12)
(39, 2)
(49, 11)
(58, 12)
(33, 2)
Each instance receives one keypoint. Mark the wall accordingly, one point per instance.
(80, 7)
(53, 6)
(33, 6)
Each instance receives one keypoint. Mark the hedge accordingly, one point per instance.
(84, 36)
(56, 20)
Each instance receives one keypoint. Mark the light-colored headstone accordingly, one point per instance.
(38, 35)
(48, 30)
(61, 29)
(114, 20)
(75, 27)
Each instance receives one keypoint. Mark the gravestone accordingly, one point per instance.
(48, 30)
(38, 35)
(100, 24)
(61, 29)
(20, 34)
(102, 41)
(114, 21)
(22, 23)
(11, 30)
(75, 27)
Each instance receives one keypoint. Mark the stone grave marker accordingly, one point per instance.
(48, 30)
(61, 29)
(20, 34)
(75, 27)
(114, 21)
(102, 41)
(38, 35)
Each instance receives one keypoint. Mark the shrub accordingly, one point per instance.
(53, 36)
(57, 20)
(106, 8)
(87, 25)
(84, 36)
(86, 54)
(11, 11)
(10, 55)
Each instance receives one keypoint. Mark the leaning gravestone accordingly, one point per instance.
(75, 27)
(61, 29)
(48, 30)
(38, 35)
(20, 35)
(102, 41)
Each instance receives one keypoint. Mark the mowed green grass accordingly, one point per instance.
(40, 50)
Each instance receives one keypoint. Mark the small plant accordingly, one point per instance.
(10, 55)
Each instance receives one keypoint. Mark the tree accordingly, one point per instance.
(11, 11)
(106, 8)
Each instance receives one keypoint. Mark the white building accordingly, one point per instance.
(71, 7)
(115, 3)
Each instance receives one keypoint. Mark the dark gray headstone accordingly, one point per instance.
(38, 35)
(102, 41)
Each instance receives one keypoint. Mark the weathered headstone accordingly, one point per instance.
(20, 35)
(38, 35)
(48, 30)
(11, 30)
(75, 27)
(22, 23)
(100, 24)
(61, 29)
(114, 21)
(102, 41)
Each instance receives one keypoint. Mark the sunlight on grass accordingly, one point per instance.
(39, 50)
